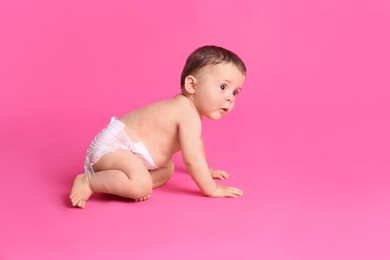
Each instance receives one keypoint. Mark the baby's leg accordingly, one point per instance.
(161, 175)
(119, 173)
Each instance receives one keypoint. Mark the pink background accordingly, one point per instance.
(308, 141)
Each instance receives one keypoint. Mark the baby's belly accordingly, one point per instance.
(162, 156)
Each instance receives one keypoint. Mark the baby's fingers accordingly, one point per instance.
(225, 191)
(234, 192)
(223, 175)
(218, 174)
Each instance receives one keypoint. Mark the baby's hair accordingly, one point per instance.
(209, 55)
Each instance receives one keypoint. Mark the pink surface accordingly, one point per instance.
(308, 141)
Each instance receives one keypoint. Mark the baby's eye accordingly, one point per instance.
(223, 86)
(235, 92)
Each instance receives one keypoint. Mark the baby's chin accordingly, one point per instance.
(217, 115)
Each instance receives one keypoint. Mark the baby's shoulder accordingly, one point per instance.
(186, 114)
(178, 109)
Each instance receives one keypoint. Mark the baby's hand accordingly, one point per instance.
(218, 174)
(225, 191)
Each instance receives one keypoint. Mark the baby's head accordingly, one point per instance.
(209, 55)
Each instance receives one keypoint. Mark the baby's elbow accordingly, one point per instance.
(192, 161)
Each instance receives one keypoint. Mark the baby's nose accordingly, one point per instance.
(230, 97)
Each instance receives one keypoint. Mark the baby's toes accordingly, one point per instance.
(74, 201)
(81, 204)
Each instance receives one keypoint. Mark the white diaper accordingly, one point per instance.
(112, 138)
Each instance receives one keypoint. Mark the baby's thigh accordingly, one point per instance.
(124, 161)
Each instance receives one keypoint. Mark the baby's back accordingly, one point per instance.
(156, 125)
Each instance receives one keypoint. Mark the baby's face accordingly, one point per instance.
(217, 89)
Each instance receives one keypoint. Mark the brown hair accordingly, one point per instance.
(209, 55)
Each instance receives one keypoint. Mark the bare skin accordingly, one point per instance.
(165, 128)
(82, 188)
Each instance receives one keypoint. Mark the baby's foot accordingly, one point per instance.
(143, 198)
(81, 191)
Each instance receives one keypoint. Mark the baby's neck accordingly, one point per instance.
(191, 103)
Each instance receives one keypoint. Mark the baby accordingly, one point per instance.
(133, 154)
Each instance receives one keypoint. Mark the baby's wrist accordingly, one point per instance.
(211, 194)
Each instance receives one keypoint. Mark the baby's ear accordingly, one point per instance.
(190, 84)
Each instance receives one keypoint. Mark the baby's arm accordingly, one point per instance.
(195, 161)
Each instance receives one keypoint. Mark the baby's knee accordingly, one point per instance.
(166, 172)
(142, 188)
(137, 188)
(170, 168)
